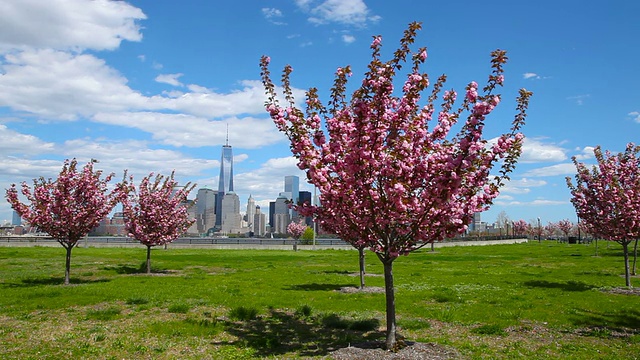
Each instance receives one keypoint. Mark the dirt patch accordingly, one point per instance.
(364, 290)
(366, 275)
(412, 351)
(624, 291)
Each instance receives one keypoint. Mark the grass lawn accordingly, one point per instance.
(530, 300)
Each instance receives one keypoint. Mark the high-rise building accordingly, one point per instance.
(259, 222)
(305, 197)
(16, 219)
(281, 216)
(225, 180)
(205, 210)
(251, 210)
(231, 218)
(272, 212)
(292, 191)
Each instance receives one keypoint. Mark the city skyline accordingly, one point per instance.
(154, 86)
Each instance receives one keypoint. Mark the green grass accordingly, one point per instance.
(523, 301)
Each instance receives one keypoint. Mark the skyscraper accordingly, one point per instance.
(305, 197)
(251, 210)
(281, 216)
(259, 222)
(206, 213)
(231, 218)
(225, 181)
(292, 191)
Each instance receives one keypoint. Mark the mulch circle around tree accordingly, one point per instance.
(366, 290)
(412, 351)
(624, 291)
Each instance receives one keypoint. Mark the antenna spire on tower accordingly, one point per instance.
(227, 134)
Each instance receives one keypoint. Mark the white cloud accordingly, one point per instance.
(136, 156)
(635, 115)
(192, 131)
(534, 76)
(521, 186)
(68, 24)
(348, 12)
(348, 38)
(565, 169)
(64, 86)
(272, 14)
(266, 182)
(61, 85)
(14, 143)
(537, 202)
(171, 79)
(534, 151)
(579, 99)
(585, 153)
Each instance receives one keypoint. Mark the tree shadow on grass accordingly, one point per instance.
(621, 322)
(32, 282)
(279, 333)
(340, 272)
(317, 287)
(132, 270)
(568, 286)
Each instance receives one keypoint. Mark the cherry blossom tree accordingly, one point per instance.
(156, 213)
(607, 198)
(389, 180)
(565, 226)
(549, 230)
(66, 208)
(296, 230)
(521, 227)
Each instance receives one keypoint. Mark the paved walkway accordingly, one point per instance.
(90, 242)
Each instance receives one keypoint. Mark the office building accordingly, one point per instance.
(281, 216)
(251, 210)
(231, 218)
(259, 222)
(225, 180)
(16, 220)
(205, 210)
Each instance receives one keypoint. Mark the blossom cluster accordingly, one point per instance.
(296, 229)
(70, 206)
(387, 180)
(155, 213)
(607, 196)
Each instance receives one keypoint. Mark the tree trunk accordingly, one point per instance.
(635, 257)
(625, 249)
(596, 246)
(362, 273)
(391, 304)
(67, 267)
(148, 259)
(295, 244)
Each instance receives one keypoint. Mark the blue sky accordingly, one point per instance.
(151, 85)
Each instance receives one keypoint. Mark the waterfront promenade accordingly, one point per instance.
(232, 243)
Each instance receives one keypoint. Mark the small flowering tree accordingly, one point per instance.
(607, 198)
(155, 214)
(388, 180)
(67, 208)
(549, 230)
(296, 230)
(566, 227)
(521, 227)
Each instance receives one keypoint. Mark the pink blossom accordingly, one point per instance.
(389, 179)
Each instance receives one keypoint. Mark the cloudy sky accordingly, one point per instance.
(152, 85)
